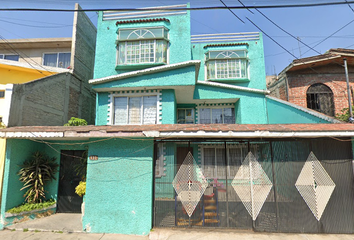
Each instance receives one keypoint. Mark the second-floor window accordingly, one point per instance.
(227, 64)
(12, 57)
(185, 116)
(142, 46)
(61, 60)
(135, 110)
(216, 115)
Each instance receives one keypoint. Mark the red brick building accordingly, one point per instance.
(317, 82)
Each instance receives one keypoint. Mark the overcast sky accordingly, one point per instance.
(310, 24)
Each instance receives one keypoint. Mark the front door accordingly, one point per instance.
(68, 201)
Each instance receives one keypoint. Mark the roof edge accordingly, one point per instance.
(224, 85)
(146, 71)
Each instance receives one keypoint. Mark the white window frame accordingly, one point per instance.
(193, 115)
(215, 107)
(141, 107)
(228, 55)
(125, 42)
(57, 53)
(2, 56)
(228, 147)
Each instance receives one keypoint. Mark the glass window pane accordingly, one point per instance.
(1, 56)
(209, 162)
(134, 110)
(50, 59)
(204, 116)
(64, 60)
(216, 114)
(181, 116)
(220, 162)
(12, 57)
(149, 108)
(120, 110)
(189, 116)
(229, 115)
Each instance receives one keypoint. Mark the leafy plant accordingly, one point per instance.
(81, 189)
(76, 122)
(81, 167)
(344, 114)
(35, 172)
(31, 206)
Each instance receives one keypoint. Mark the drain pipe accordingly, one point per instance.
(348, 90)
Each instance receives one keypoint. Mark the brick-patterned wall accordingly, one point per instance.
(335, 79)
(278, 89)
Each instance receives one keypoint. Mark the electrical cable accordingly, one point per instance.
(177, 9)
(232, 12)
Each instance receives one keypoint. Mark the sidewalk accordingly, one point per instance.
(172, 234)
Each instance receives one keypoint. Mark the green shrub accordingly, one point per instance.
(76, 122)
(26, 207)
(35, 172)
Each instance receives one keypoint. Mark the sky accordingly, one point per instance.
(320, 28)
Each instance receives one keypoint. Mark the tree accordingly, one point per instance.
(344, 115)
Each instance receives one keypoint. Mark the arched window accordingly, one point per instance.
(320, 98)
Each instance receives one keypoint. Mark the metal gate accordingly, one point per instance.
(302, 185)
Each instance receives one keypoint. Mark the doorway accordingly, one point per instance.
(68, 201)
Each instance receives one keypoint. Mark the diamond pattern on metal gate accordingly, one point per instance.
(252, 185)
(189, 184)
(315, 186)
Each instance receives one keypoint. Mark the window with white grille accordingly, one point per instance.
(227, 64)
(142, 46)
(135, 110)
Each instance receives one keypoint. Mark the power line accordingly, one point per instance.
(177, 9)
(271, 38)
(27, 25)
(331, 35)
(287, 32)
(232, 12)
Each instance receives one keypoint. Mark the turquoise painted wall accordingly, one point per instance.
(279, 113)
(169, 107)
(106, 48)
(250, 107)
(119, 187)
(177, 77)
(17, 151)
(255, 49)
(102, 108)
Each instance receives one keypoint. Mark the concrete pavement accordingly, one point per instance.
(68, 227)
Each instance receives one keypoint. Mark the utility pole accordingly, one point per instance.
(348, 90)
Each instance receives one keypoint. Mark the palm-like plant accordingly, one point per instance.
(35, 172)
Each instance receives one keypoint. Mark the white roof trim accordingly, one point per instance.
(146, 71)
(34, 66)
(31, 134)
(223, 85)
(255, 134)
(306, 110)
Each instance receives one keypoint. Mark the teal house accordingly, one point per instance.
(186, 135)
